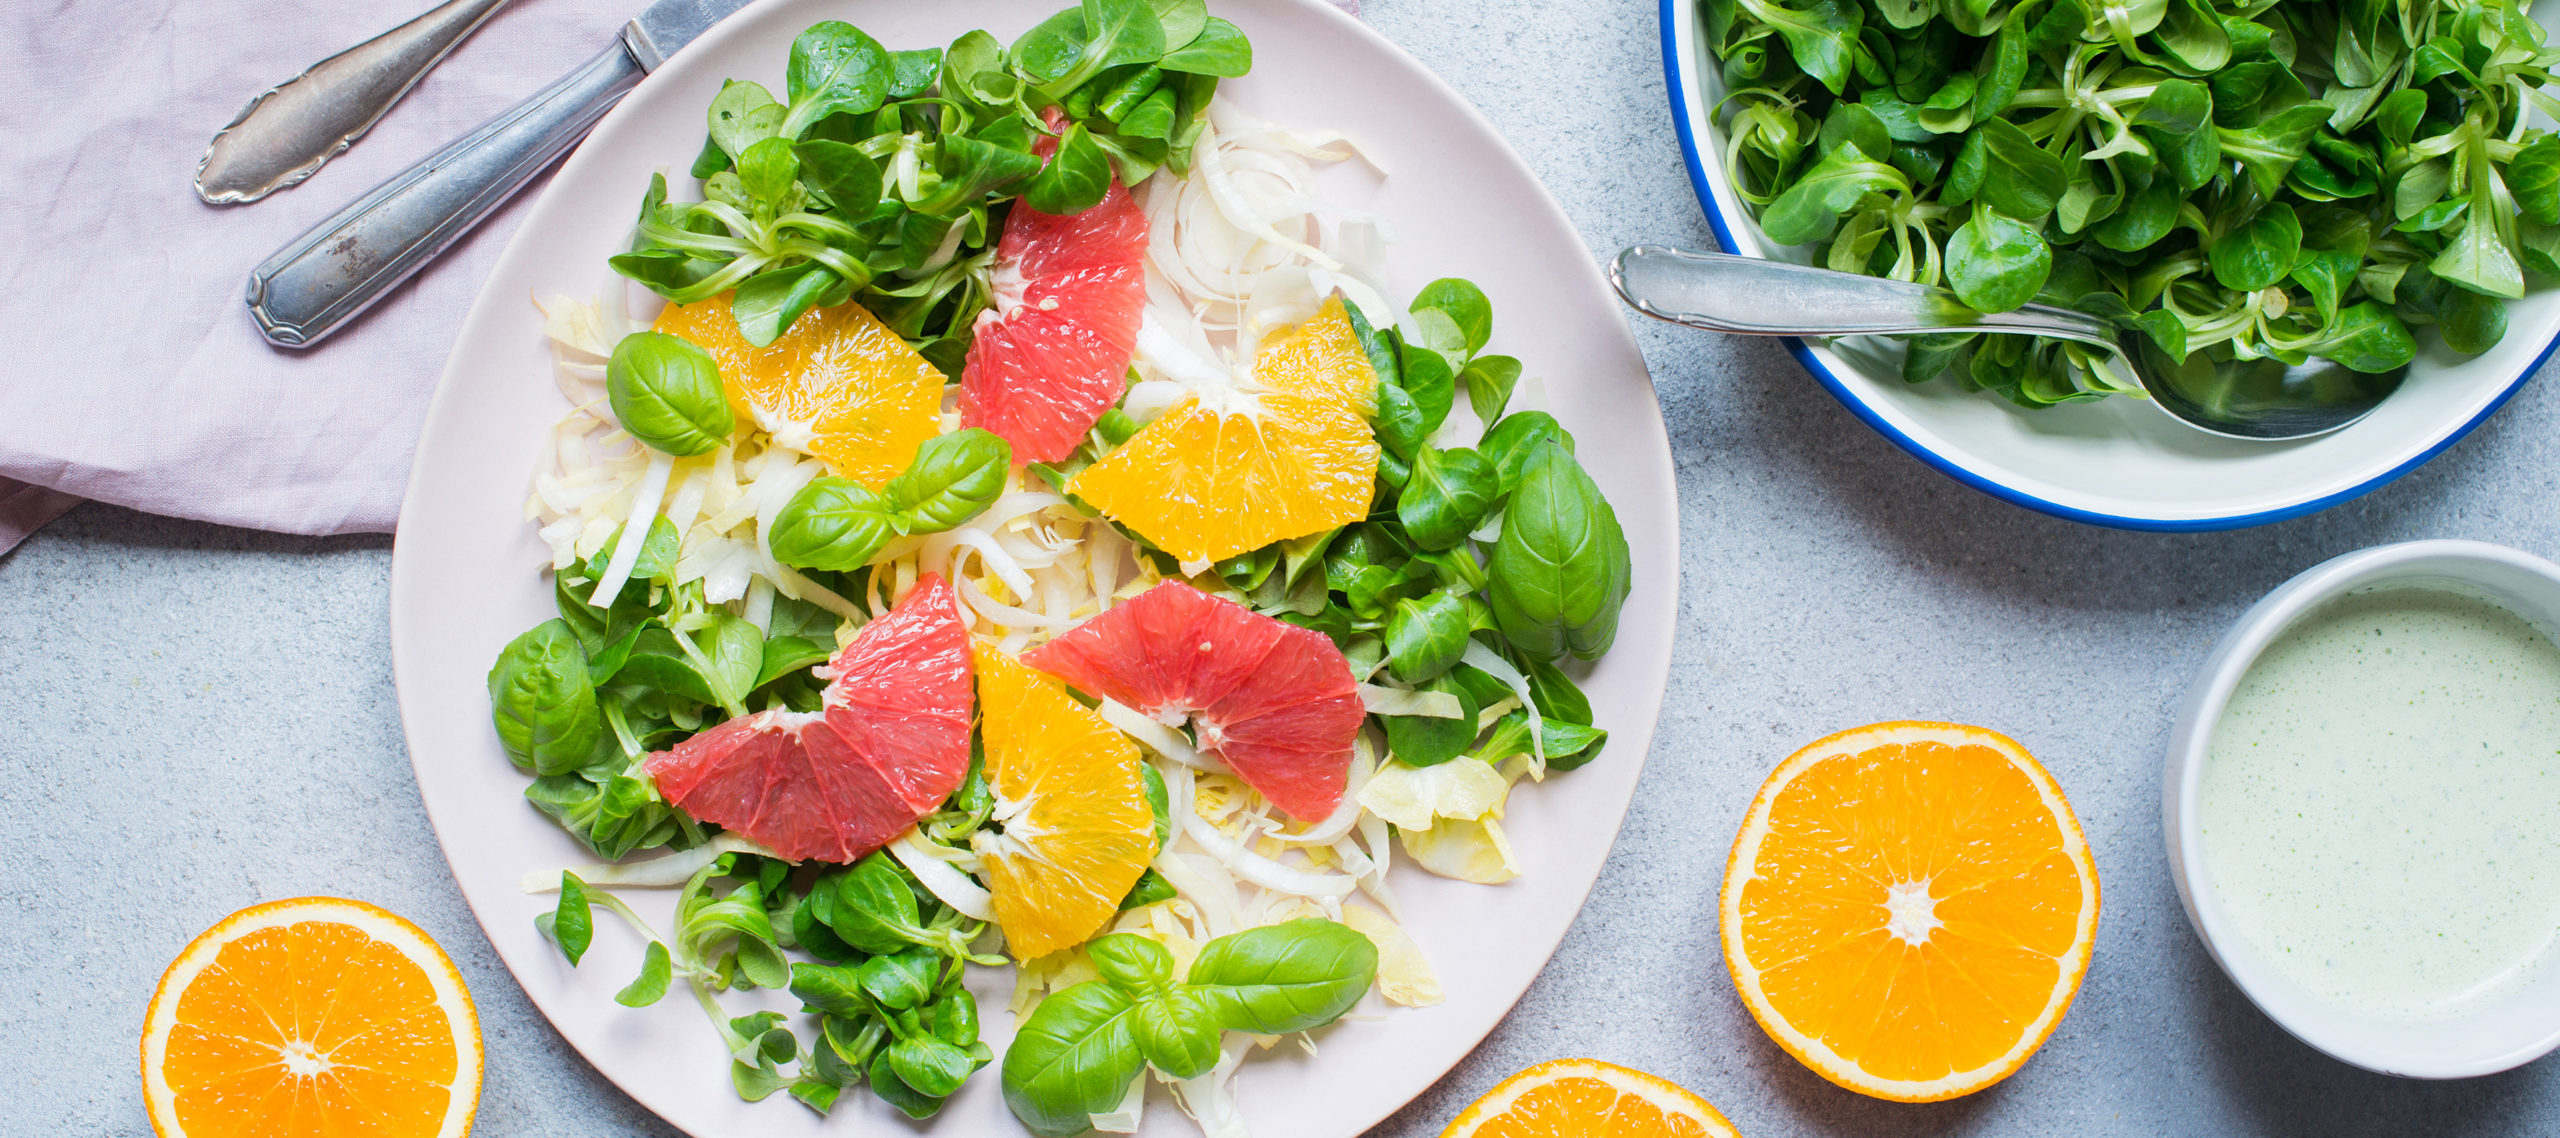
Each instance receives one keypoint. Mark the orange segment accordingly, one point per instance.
(1586, 1098)
(1225, 472)
(1073, 830)
(837, 384)
(1910, 908)
(311, 1018)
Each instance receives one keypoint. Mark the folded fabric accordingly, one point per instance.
(141, 380)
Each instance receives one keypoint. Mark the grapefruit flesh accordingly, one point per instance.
(891, 743)
(1053, 352)
(1276, 701)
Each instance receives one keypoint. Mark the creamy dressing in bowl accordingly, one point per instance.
(2380, 808)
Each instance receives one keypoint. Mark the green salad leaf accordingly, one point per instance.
(2234, 180)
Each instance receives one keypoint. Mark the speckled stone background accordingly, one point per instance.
(194, 719)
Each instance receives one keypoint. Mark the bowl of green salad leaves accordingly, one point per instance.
(2372, 183)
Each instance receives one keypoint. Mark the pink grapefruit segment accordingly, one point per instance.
(890, 745)
(1274, 700)
(1053, 353)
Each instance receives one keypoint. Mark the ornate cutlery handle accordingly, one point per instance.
(324, 278)
(289, 130)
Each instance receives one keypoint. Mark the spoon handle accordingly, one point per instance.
(1755, 297)
(287, 132)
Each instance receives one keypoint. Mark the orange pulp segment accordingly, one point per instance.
(1073, 830)
(1910, 908)
(311, 1018)
(1587, 1098)
(837, 384)
(1229, 471)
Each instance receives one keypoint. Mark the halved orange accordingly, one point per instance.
(1234, 470)
(1072, 830)
(1587, 1098)
(837, 384)
(311, 1018)
(1910, 908)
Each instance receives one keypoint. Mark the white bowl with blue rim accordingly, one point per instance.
(2117, 461)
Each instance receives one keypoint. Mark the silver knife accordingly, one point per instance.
(324, 278)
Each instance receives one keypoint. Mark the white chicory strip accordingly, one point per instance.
(1158, 737)
(1263, 871)
(940, 877)
(1346, 814)
(1209, 1098)
(663, 872)
(1484, 660)
(635, 529)
(1132, 1111)
(1382, 700)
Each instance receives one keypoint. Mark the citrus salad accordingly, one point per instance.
(1129, 660)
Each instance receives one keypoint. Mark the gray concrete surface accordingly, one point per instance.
(194, 719)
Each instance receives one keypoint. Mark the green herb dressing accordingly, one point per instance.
(2381, 809)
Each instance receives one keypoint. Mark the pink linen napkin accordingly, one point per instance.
(135, 376)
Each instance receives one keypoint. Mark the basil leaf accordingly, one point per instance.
(954, 477)
(1281, 978)
(1177, 1033)
(1151, 888)
(543, 700)
(1133, 962)
(1559, 574)
(1072, 1058)
(1508, 445)
(667, 393)
(834, 524)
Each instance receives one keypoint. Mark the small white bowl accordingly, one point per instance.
(2509, 1033)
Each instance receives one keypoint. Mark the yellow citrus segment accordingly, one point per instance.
(837, 384)
(1910, 908)
(1073, 830)
(311, 1018)
(1587, 1098)
(1209, 480)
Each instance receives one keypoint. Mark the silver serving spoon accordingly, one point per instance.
(2263, 400)
(289, 131)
